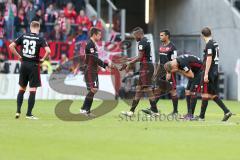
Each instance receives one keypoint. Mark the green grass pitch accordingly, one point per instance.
(111, 138)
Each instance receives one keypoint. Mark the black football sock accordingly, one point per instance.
(88, 101)
(20, 100)
(134, 105)
(221, 104)
(175, 104)
(203, 108)
(153, 106)
(193, 104)
(31, 102)
(188, 99)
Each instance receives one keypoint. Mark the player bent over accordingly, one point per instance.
(191, 67)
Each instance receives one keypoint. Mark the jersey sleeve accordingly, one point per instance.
(209, 49)
(142, 46)
(44, 43)
(174, 53)
(90, 49)
(19, 40)
(183, 66)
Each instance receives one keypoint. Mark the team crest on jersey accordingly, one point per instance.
(140, 47)
(92, 50)
(185, 68)
(209, 51)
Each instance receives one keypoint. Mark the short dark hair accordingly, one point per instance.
(206, 32)
(138, 29)
(94, 30)
(166, 32)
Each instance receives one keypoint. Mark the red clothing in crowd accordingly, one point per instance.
(97, 24)
(70, 14)
(84, 22)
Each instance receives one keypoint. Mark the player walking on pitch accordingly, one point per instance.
(210, 76)
(146, 72)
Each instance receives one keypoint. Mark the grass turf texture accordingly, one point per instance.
(110, 137)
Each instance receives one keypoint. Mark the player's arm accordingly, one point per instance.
(208, 63)
(174, 54)
(141, 49)
(186, 71)
(47, 49)
(188, 74)
(47, 53)
(157, 70)
(136, 59)
(13, 49)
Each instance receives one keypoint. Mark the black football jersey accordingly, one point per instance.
(145, 47)
(190, 62)
(30, 46)
(212, 49)
(167, 53)
(92, 61)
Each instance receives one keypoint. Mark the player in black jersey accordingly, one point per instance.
(30, 44)
(210, 76)
(146, 72)
(92, 62)
(167, 52)
(191, 67)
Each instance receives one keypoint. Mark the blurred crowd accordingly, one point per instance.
(60, 20)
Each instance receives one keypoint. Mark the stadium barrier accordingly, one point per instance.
(9, 87)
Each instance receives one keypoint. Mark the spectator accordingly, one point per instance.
(2, 23)
(50, 18)
(20, 23)
(23, 4)
(70, 13)
(80, 36)
(64, 25)
(4, 66)
(30, 11)
(83, 21)
(56, 34)
(2, 5)
(64, 59)
(10, 13)
(39, 17)
(64, 66)
(96, 23)
(79, 5)
(40, 4)
(47, 66)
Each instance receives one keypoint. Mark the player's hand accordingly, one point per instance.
(124, 66)
(206, 79)
(168, 76)
(20, 58)
(75, 71)
(42, 60)
(111, 66)
(128, 67)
